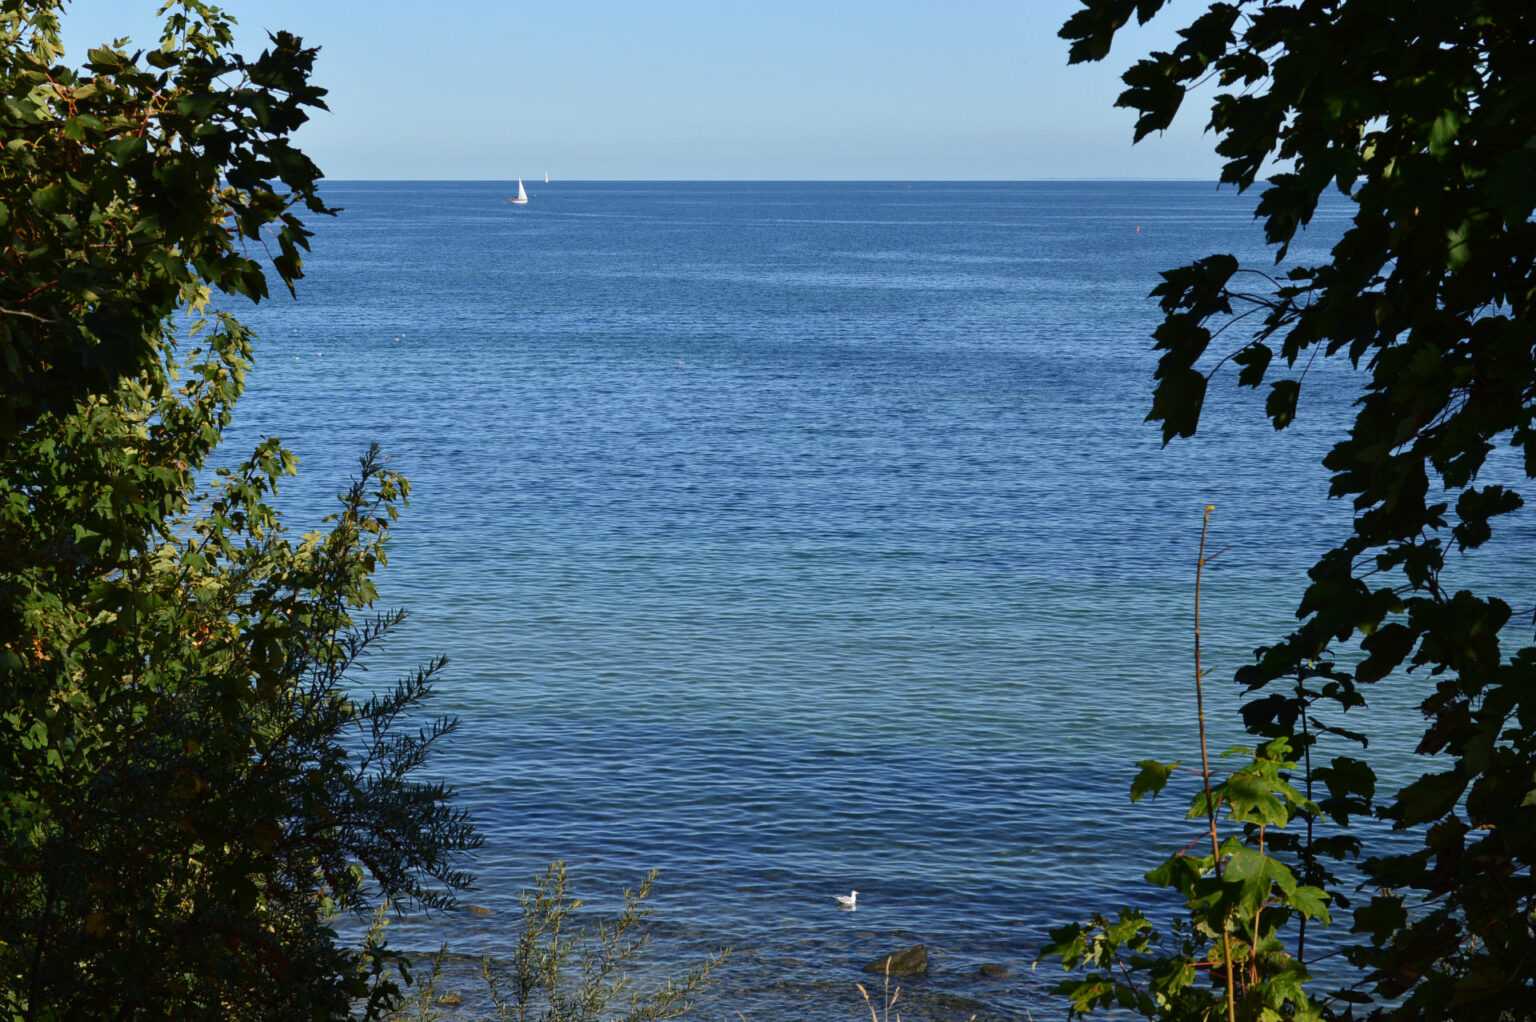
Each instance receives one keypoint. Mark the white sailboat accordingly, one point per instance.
(522, 196)
(546, 177)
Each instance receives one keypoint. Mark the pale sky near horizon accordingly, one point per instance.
(701, 90)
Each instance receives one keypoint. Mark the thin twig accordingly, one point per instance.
(25, 315)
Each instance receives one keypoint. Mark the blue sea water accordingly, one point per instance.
(800, 538)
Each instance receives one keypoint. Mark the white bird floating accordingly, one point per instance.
(848, 901)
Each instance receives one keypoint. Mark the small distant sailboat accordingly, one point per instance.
(522, 196)
(546, 177)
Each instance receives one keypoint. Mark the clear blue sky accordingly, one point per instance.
(706, 89)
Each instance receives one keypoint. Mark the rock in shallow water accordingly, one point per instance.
(908, 961)
(993, 971)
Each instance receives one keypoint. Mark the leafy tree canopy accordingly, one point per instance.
(1421, 113)
(133, 184)
(189, 788)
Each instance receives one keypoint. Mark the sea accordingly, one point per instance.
(792, 539)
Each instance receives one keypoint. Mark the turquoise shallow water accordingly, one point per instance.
(794, 538)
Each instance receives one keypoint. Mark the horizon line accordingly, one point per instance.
(779, 180)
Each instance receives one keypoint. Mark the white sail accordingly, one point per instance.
(546, 177)
(522, 196)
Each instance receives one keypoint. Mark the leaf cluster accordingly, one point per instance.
(1227, 948)
(130, 187)
(1420, 114)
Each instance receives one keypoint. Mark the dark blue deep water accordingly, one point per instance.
(796, 538)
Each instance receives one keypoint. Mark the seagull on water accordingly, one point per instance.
(848, 901)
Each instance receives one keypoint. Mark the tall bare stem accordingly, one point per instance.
(1205, 766)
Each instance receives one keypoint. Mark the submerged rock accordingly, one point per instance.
(477, 910)
(908, 961)
(993, 971)
(937, 1006)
